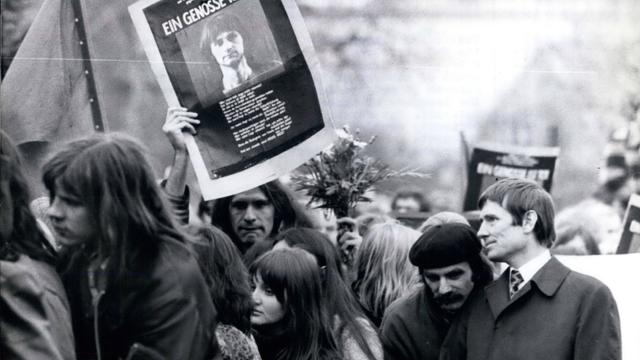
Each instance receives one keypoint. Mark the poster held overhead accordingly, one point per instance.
(248, 68)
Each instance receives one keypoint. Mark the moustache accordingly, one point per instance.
(448, 298)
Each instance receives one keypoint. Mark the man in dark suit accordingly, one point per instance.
(538, 308)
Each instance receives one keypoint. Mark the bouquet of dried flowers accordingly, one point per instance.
(339, 177)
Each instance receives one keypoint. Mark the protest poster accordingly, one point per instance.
(630, 238)
(492, 162)
(247, 67)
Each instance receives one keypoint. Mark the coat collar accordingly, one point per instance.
(547, 280)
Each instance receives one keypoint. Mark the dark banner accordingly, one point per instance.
(491, 163)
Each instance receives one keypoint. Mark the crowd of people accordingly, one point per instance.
(120, 268)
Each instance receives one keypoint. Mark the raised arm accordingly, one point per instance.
(178, 121)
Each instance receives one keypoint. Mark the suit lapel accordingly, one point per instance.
(497, 294)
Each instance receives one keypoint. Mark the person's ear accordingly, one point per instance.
(529, 221)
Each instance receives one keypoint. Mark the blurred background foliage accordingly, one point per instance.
(417, 73)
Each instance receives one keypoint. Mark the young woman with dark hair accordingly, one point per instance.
(356, 336)
(230, 291)
(289, 314)
(36, 320)
(133, 286)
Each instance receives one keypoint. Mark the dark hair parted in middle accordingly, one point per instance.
(341, 302)
(217, 25)
(294, 277)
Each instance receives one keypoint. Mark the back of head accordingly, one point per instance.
(365, 221)
(518, 196)
(316, 243)
(111, 177)
(443, 217)
(19, 232)
(383, 270)
(612, 177)
(575, 236)
(228, 277)
(575, 240)
(449, 244)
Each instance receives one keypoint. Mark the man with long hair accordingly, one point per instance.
(257, 215)
(451, 265)
(225, 39)
(134, 288)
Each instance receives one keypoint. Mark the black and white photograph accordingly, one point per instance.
(319, 180)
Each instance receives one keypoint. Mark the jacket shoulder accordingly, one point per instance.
(176, 267)
(406, 305)
(584, 286)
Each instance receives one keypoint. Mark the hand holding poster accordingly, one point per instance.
(489, 163)
(247, 67)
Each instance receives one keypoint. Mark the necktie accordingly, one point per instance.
(515, 279)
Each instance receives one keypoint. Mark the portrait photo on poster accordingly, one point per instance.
(229, 51)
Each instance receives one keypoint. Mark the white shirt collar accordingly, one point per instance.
(529, 269)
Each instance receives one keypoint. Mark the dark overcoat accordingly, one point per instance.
(413, 328)
(559, 315)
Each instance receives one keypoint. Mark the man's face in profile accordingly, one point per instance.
(228, 48)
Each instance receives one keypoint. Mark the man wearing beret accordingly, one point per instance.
(538, 308)
(450, 262)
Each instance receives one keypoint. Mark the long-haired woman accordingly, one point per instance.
(134, 288)
(383, 270)
(357, 338)
(35, 321)
(289, 316)
(229, 288)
